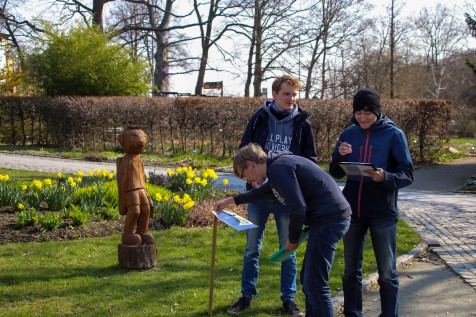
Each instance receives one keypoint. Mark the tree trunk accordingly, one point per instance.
(258, 73)
(143, 256)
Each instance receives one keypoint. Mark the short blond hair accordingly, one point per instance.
(251, 152)
(288, 79)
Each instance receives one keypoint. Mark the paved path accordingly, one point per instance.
(445, 218)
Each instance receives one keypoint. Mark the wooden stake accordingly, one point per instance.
(212, 265)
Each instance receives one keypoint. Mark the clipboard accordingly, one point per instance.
(282, 255)
(356, 168)
(233, 220)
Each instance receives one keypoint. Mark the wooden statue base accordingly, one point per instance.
(142, 256)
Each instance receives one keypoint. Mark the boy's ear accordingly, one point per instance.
(249, 164)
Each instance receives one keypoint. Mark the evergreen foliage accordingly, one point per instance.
(472, 27)
(82, 61)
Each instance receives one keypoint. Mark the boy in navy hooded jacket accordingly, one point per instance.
(375, 139)
(312, 198)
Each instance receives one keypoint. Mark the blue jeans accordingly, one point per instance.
(384, 238)
(320, 251)
(258, 213)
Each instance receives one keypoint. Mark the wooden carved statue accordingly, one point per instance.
(134, 202)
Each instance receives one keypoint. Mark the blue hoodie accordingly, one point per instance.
(302, 141)
(384, 145)
(307, 191)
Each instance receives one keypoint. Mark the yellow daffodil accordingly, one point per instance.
(211, 173)
(158, 197)
(224, 182)
(48, 182)
(188, 205)
(20, 206)
(188, 181)
(37, 184)
(24, 187)
(80, 173)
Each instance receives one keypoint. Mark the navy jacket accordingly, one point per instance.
(302, 143)
(384, 145)
(308, 192)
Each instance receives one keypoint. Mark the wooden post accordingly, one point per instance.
(212, 265)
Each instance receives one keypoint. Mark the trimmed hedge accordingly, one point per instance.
(205, 125)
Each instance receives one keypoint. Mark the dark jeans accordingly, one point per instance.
(384, 237)
(320, 251)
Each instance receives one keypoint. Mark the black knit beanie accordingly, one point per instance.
(367, 99)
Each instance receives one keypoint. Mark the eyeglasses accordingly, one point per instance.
(242, 171)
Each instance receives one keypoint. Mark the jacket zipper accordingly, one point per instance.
(366, 159)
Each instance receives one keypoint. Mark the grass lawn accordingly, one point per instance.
(82, 277)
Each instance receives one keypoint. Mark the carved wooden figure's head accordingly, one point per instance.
(133, 140)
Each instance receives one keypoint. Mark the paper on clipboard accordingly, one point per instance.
(356, 168)
(233, 220)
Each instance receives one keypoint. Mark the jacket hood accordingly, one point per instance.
(290, 114)
(273, 155)
(381, 122)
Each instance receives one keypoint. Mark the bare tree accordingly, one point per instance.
(16, 26)
(441, 34)
(157, 21)
(394, 11)
(330, 24)
(266, 24)
(209, 38)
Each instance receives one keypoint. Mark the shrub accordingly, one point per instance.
(49, 221)
(9, 194)
(109, 211)
(172, 209)
(198, 184)
(78, 217)
(26, 218)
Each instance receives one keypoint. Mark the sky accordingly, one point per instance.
(235, 87)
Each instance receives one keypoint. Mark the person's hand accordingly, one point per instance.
(254, 184)
(290, 246)
(220, 205)
(378, 176)
(345, 148)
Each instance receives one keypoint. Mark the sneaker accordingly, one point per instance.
(292, 309)
(240, 305)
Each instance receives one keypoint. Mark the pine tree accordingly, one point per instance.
(472, 27)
